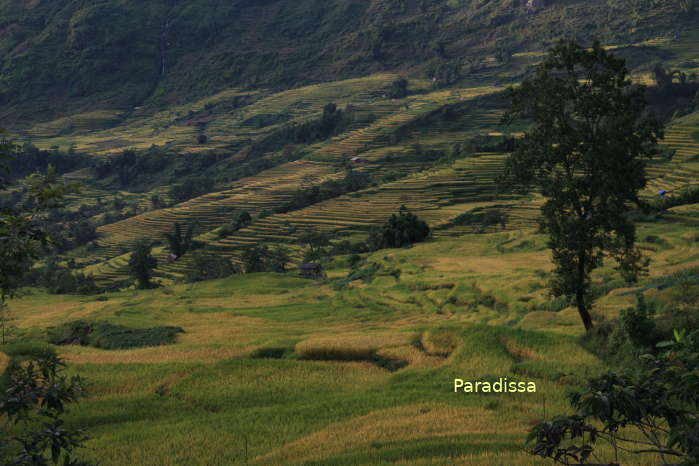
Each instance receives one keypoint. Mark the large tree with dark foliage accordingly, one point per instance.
(207, 266)
(254, 258)
(585, 153)
(179, 242)
(23, 232)
(142, 263)
(400, 230)
(315, 242)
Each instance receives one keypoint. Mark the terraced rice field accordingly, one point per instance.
(273, 187)
(393, 115)
(264, 191)
(175, 127)
(683, 171)
(80, 123)
(437, 196)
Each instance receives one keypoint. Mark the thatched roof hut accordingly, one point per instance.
(311, 270)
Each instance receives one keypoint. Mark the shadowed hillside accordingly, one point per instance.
(64, 57)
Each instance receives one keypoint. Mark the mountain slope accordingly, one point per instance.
(62, 57)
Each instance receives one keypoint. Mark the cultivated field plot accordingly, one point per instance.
(273, 369)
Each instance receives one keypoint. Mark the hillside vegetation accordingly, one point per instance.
(248, 136)
(66, 57)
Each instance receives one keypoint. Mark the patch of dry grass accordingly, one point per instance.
(441, 341)
(519, 352)
(152, 354)
(4, 361)
(415, 358)
(390, 425)
(349, 347)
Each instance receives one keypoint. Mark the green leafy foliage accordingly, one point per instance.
(481, 219)
(316, 243)
(261, 258)
(272, 352)
(28, 159)
(142, 263)
(398, 89)
(208, 266)
(364, 272)
(59, 280)
(689, 195)
(585, 153)
(36, 398)
(639, 325)
(191, 187)
(352, 181)
(6, 325)
(239, 220)
(109, 336)
(653, 412)
(23, 235)
(332, 122)
(178, 241)
(400, 230)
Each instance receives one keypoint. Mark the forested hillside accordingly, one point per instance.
(62, 57)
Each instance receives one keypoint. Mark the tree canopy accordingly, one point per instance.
(142, 263)
(400, 230)
(651, 410)
(585, 152)
(22, 234)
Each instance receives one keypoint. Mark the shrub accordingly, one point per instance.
(60, 280)
(274, 352)
(180, 242)
(109, 336)
(142, 263)
(335, 349)
(400, 230)
(655, 403)
(555, 304)
(366, 274)
(639, 325)
(37, 393)
(481, 219)
(440, 341)
(352, 182)
(208, 267)
(191, 187)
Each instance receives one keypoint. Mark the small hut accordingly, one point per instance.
(311, 270)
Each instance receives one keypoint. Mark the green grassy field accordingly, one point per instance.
(208, 400)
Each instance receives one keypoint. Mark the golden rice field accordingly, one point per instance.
(207, 400)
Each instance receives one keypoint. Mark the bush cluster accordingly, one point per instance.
(109, 336)
(352, 181)
(400, 230)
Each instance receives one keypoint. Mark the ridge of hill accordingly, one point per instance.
(109, 60)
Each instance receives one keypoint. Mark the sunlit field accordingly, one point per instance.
(276, 369)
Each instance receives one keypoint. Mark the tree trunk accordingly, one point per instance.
(582, 309)
(580, 294)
